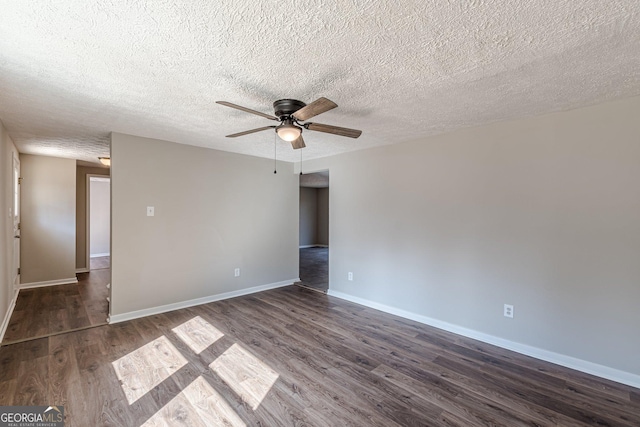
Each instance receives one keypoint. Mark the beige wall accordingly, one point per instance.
(214, 212)
(48, 243)
(81, 212)
(542, 213)
(308, 215)
(322, 226)
(7, 151)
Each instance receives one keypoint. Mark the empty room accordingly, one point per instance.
(355, 213)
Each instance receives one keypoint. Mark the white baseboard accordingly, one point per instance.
(116, 318)
(82, 270)
(48, 283)
(549, 356)
(312, 246)
(99, 255)
(7, 316)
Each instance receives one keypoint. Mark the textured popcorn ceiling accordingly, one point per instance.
(73, 71)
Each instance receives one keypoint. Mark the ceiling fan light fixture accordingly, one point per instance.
(288, 132)
(105, 160)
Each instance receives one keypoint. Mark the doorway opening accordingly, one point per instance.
(96, 282)
(47, 310)
(99, 222)
(314, 231)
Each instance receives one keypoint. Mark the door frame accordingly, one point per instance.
(308, 172)
(16, 212)
(88, 217)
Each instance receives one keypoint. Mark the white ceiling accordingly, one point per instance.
(72, 71)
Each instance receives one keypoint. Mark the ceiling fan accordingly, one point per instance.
(292, 114)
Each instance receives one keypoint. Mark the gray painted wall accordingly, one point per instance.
(214, 212)
(48, 199)
(542, 213)
(308, 216)
(314, 216)
(322, 225)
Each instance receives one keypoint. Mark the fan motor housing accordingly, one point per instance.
(286, 107)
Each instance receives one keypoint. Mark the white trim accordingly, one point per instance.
(82, 270)
(99, 255)
(7, 316)
(313, 246)
(87, 230)
(602, 371)
(48, 283)
(117, 318)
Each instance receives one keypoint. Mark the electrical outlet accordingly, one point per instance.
(151, 211)
(508, 310)
(350, 276)
(236, 273)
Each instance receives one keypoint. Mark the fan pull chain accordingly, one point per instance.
(301, 161)
(275, 153)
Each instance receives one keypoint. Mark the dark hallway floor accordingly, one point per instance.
(100, 263)
(314, 268)
(50, 310)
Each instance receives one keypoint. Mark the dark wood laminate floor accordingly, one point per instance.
(314, 268)
(40, 312)
(294, 357)
(99, 263)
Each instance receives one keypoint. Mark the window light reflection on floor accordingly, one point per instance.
(198, 334)
(197, 405)
(143, 369)
(249, 377)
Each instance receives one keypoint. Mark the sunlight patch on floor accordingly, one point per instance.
(198, 334)
(248, 376)
(196, 405)
(143, 369)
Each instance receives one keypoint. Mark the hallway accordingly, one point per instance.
(50, 310)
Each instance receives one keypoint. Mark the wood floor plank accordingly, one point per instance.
(582, 414)
(295, 357)
(32, 379)
(100, 263)
(288, 354)
(8, 391)
(62, 366)
(392, 408)
(367, 341)
(603, 386)
(314, 268)
(49, 310)
(446, 401)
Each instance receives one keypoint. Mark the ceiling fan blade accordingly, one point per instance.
(246, 110)
(298, 143)
(336, 130)
(319, 106)
(247, 132)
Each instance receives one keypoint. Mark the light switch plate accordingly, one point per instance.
(150, 211)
